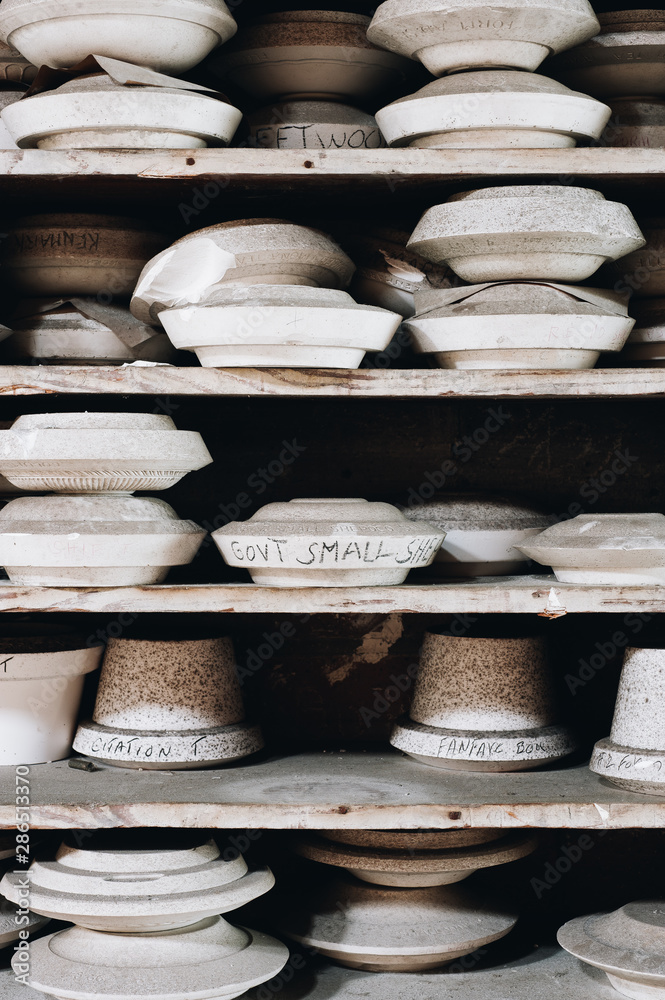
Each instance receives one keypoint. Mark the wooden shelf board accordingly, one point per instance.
(319, 790)
(546, 973)
(24, 380)
(269, 171)
(484, 595)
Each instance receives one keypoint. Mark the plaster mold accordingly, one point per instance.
(633, 756)
(646, 344)
(416, 866)
(98, 452)
(626, 59)
(627, 944)
(7, 98)
(274, 326)
(138, 891)
(44, 671)
(448, 35)
(93, 541)
(171, 37)
(244, 252)
(519, 325)
(388, 274)
(548, 231)
(327, 543)
(12, 923)
(495, 109)
(79, 331)
(636, 122)
(76, 254)
(604, 549)
(642, 274)
(481, 533)
(97, 112)
(483, 705)
(310, 54)
(313, 125)
(15, 70)
(382, 929)
(168, 705)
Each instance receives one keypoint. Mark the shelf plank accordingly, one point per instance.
(483, 595)
(271, 171)
(320, 790)
(25, 380)
(548, 973)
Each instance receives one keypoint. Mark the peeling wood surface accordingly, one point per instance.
(512, 595)
(341, 790)
(19, 380)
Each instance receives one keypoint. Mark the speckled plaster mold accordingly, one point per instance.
(243, 252)
(47, 672)
(633, 756)
(548, 231)
(168, 705)
(626, 58)
(93, 541)
(483, 705)
(212, 960)
(495, 109)
(413, 840)
(280, 326)
(79, 331)
(167, 36)
(646, 344)
(314, 54)
(12, 922)
(449, 35)
(636, 123)
(133, 891)
(314, 125)
(416, 866)
(77, 254)
(320, 542)
(522, 325)
(98, 452)
(628, 944)
(390, 930)
(481, 533)
(642, 274)
(604, 549)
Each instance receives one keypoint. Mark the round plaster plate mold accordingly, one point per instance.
(209, 960)
(245, 252)
(314, 125)
(547, 231)
(93, 541)
(12, 923)
(327, 543)
(481, 533)
(642, 274)
(626, 59)
(646, 344)
(32, 666)
(627, 944)
(136, 891)
(55, 331)
(413, 868)
(447, 35)
(168, 705)
(78, 254)
(519, 325)
(300, 327)
(310, 54)
(633, 756)
(413, 840)
(484, 705)
(604, 549)
(98, 452)
(382, 929)
(636, 123)
(98, 113)
(170, 37)
(495, 109)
